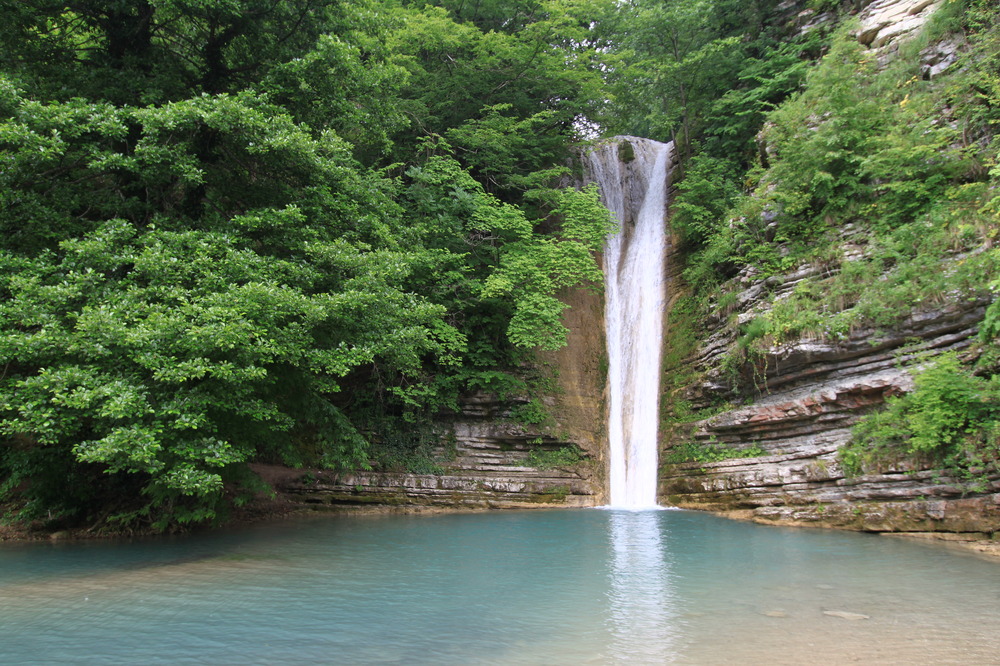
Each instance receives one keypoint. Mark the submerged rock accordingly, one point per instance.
(846, 615)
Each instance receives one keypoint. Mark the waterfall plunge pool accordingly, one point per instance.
(537, 587)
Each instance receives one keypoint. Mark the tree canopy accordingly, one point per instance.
(258, 230)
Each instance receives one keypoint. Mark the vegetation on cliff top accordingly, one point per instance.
(906, 164)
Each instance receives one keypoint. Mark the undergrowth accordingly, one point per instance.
(709, 452)
(546, 459)
(878, 146)
(950, 421)
(886, 184)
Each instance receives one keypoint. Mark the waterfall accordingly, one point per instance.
(632, 175)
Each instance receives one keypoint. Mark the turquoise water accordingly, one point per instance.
(547, 587)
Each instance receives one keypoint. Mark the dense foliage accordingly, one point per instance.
(903, 161)
(951, 420)
(270, 231)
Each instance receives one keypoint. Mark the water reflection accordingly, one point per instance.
(642, 613)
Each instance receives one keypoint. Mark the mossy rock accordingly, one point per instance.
(626, 153)
(552, 495)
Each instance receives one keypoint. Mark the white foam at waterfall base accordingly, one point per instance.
(636, 192)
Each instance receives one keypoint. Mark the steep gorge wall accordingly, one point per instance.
(816, 392)
(811, 393)
(483, 462)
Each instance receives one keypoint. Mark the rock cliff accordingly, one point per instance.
(805, 398)
(811, 394)
(801, 399)
(885, 21)
(484, 460)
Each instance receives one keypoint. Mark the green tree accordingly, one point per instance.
(165, 341)
(510, 101)
(207, 260)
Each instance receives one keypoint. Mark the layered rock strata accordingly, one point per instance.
(886, 21)
(812, 393)
(483, 462)
(484, 458)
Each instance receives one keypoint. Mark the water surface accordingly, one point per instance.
(552, 587)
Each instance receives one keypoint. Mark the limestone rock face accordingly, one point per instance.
(482, 455)
(578, 406)
(483, 465)
(886, 21)
(938, 57)
(813, 392)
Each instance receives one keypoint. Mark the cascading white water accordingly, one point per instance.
(632, 175)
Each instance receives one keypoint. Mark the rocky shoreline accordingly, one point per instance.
(282, 507)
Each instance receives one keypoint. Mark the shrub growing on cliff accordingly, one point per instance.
(706, 192)
(951, 420)
(711, 451)
(546, 459)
